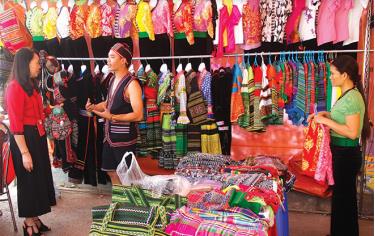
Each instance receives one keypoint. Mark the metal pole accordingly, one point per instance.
(210, 56)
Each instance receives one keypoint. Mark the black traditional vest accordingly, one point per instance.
(118, 133)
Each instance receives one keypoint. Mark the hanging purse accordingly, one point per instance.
(136, 196)
(122, 219)
(61, 127)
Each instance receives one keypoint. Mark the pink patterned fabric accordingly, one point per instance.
(161, 18)
(342, 21)
(324, 170)
(203, 17)
(227, 22)
(326, 30)
(107, 18)
(291, 28)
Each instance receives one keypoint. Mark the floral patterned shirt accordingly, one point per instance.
(107, 19)
(124, 19)
(203, 17)
(252, 26)
(78, 17)
(93, 23)
(161, 18)
(183, 22)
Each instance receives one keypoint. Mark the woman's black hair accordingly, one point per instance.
(21, 70)
(347, 64)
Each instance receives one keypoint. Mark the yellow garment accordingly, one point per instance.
(93, 23)
(336, 93)
(36, 22)
(144, 19)
(49, 23)
(210, 143)
(1, 44)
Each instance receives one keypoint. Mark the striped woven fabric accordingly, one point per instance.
(13, 33)
(194, 138)
(122, 219)
(200, 222)
(167, 154)
(181, 140)
(196, 106)
(210, 139)
(135, 196)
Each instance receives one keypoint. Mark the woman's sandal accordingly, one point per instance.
(42, 228)
(26, 232)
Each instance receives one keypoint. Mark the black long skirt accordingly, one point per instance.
(35, 191)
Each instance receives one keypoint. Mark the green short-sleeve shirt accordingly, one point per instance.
(351, 103)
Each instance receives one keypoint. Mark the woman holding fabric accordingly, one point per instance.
(28, 144)
(347, 121)
(122, 109)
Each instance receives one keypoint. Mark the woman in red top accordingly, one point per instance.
(28, 143)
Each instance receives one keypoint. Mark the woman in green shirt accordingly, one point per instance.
(346, 123)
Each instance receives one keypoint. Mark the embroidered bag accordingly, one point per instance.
(136, 196)
(61, 126)
(122, 219)
(196, 106)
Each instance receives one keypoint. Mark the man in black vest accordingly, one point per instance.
(122, 109)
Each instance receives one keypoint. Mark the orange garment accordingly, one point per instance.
(78, 17)
(93, 23)
(183, 22)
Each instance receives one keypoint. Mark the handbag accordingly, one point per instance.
(136, 196)
(123, 219)
(61, 127)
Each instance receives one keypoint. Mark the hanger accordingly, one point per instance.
(256, 59)
(163, 67)
(44, 6)
(188, 66)
(201, 66)
(105, 70)
(83, 67)
(227, 64)
(179, 67)
(102, 2)
(131, 69)
(33, 4)
(148, 67)
(269, 57)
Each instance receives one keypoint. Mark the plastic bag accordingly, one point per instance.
(167, 184)
(158, 184)
(130, 175)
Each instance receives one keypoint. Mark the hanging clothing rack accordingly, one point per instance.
(226, 55)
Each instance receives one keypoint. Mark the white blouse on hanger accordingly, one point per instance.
(354, 19)
(306, 28)
(63, 23)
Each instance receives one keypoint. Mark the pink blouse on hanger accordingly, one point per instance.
(291, 28)
(203, 17)
(326, 30)
(227, 22)
(342, 21)
(161, 18)
(107, 19)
